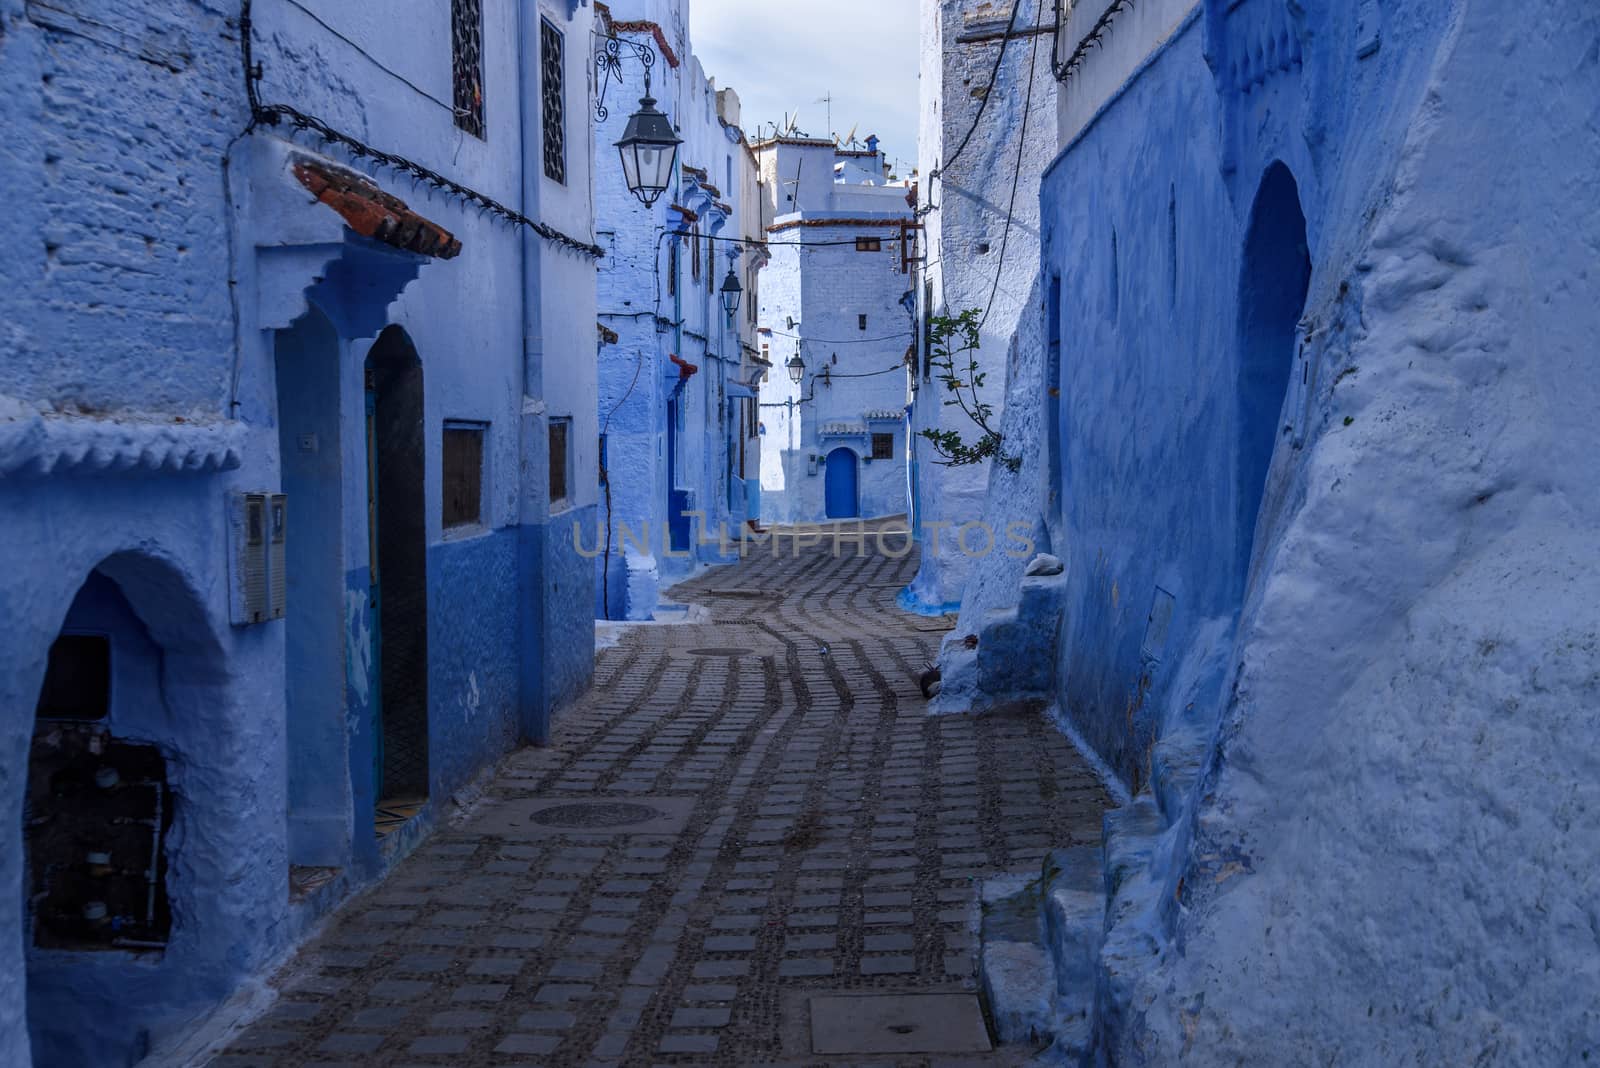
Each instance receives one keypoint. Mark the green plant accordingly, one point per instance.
(954, 341)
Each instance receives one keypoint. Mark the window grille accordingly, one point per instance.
(869, 244)
(463, 475)
(672, 267)
(559, 460)
(553, 80)
(694, 252)
(466, 57)
(77, 678)
(883, 446)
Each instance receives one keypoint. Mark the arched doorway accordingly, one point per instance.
(1272, 295)
(840, 489)
(398, 593)
(318, 787)
(133, 727)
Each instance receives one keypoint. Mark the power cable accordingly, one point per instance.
(1016, 177)
(938, 172)
(271, 114)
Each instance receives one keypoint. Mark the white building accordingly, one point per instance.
(837, 295)
(677, 391)
(987, 132)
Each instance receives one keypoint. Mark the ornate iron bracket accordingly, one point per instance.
(608, 68)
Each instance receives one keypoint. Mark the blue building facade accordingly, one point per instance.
(1315, 430)
(837, 294)
(293, 385)
(679, 377)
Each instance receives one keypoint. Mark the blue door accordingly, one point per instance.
(840, 488)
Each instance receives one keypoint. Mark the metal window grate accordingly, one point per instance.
(466, 55)
(553, 79)
(869, 244)
(558, 458)
(463, 476)
(883, 446)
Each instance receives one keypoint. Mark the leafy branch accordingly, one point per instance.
(954, 342)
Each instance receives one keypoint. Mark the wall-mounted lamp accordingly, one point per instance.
(649, 145)
(731, 292)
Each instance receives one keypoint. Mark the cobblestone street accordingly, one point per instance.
(783, 820)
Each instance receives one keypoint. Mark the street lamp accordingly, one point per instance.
(649, 150)
(796, 366)
(731, 292)
(649, 145)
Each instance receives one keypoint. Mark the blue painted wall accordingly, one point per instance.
(180, 320)
(1378, 633)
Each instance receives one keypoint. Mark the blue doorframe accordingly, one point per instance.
(841, 490)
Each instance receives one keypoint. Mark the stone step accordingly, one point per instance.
(1040, 936)
(1176, 764)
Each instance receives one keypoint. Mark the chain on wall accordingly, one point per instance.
(262, 114)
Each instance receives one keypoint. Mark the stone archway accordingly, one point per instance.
(1273, 283)
(397, 523)
(132, 691)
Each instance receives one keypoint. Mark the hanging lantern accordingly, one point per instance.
(731, 292)
(649, 150)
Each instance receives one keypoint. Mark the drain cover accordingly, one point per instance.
(603, 814)
(720, 650)
(898, 1023)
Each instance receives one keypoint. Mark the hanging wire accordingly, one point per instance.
(937, 172)
(272, 114)
(1016, 177)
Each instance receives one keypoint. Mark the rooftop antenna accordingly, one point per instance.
(828, 100)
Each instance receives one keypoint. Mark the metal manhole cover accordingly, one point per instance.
(721, 650)
(609, 814)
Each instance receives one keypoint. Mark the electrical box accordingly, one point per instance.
(258, 573)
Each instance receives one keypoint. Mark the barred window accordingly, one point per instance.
(463, 474)
(694, 252)
(466, 57)
(560, 462)
(883, 446)
(551, 58)
(869, 244)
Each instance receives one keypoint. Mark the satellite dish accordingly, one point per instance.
(850, 138)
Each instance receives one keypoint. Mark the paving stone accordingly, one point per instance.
(824, 838)
(535, 1045)
(897, 965)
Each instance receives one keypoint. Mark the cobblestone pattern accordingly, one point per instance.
(835, 845)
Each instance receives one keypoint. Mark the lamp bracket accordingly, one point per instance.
(608, 68)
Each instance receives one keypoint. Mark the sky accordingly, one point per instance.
(784, 55)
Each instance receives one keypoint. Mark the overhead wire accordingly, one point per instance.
(937, 172)
(1016, 177)
(271, 114)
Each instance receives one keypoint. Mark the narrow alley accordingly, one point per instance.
(743, 817)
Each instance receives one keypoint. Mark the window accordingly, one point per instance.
(559, 459)
(883, 446)
(553, 78)
(869, 244)
(711, 263)
(861, 322)
(694, 252)
(672, 267)
(463, 474)
(77, 678)
(466, 60)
